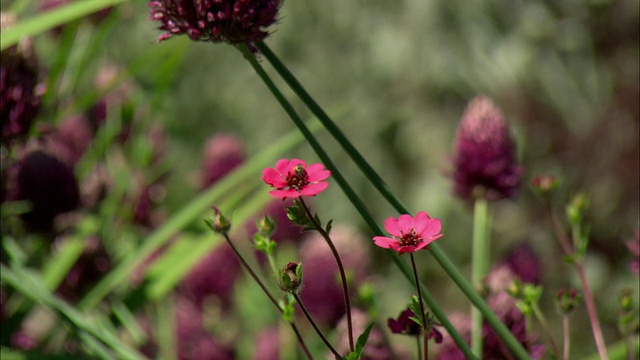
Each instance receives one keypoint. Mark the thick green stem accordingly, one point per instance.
(502, 331)
(362, 210)
(479, 266)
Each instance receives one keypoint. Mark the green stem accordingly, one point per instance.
(479, 266)
(266, 291)
(343, 276)
(360, 207)
(545, 327)
(453, 272)
(425, 335)
(315, 327)
(566, 337)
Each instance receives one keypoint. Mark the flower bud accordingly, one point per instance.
(220, 224)
(291, 277)
(545, 184)
(566, 301)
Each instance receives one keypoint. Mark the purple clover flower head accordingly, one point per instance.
(214, 276)
(46, 182)
(322, 291)
(222, 153)
(484, 160)
(525, 264)
(20, 95)
(231, 21)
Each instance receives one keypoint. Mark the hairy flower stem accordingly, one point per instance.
(266, 291)
(503, 332)
(359, 205)
(565, 337)
(578, 264)
(343, 276)
(315, 327)
(479, 266)
(425, 333)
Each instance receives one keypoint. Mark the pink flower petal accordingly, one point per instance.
(284, 194)
(282, 166)
(384, 242)
(273, 178)
(405, 223)
(317, 172)
(314, 189)
(421, 221)
(432, 228)
(391, 226)
(423, 245)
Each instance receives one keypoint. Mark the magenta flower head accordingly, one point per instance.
(293, 178)
(409, 233)
(231, 21)
(484, 161)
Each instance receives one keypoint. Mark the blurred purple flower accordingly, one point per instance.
(231, 21)
(20, 96)
(222, 153)
(268, 344)
(322, 291)
(214, 276)
(403, 324)
(377, 346)
(525, 264)
(484, 160)
(48, 184)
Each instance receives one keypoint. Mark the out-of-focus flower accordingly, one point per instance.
(377, 346)
(525, 264)
(214, 276)
(484, 160)
(91, 266)
(403, 324)
(322, 292)
(409, 233)
(48, 184)
(504, 305)
(634, 247)
(294, 178)
(231, 21)
(566, 301)
(268, 344)
(545, 184)
(20, 95)
(222, 153)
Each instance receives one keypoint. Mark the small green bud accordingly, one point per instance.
(566, 301)
(545, 184)
(265, 226)
(576, 208)
(219, 224)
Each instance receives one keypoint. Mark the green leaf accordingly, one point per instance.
(360, 343)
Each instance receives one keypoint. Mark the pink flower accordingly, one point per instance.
(294, 178)
(409, 233)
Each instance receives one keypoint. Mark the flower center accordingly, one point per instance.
(298, 179)
(410, 239)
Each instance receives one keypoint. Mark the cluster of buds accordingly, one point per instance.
(566, 301)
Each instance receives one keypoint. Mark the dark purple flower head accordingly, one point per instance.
(231, 21)
(525, 264)
(404, 325)
(222, 153)
(268, 344)
(20, 94)
(484, 161)
(634, 248)
(48, 184)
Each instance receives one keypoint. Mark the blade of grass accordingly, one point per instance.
(50, 19)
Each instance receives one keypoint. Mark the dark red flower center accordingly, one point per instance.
(298, 179)
(410, 239)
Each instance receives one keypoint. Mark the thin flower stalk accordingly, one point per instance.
(566, 246)
(361, 208)
(425, 333)
(315, 326)
(343, 276)
(545, 327)
(266, 291)
(565, 337)
(502, 331)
